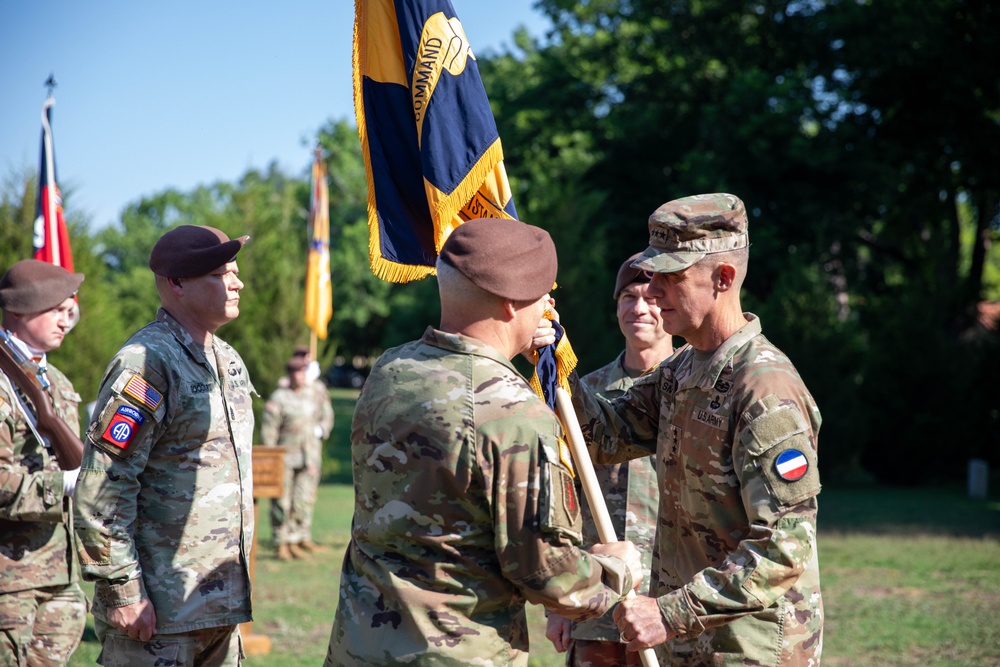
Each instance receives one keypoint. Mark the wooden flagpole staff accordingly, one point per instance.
(591, 488)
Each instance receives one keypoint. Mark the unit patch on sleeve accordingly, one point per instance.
(123, 426)
(791, 465)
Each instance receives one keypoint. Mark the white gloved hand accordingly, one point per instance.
(69, 481)
(318, 430)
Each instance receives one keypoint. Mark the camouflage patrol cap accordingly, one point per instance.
(628, 274)
(33, 286)
(507, 258)
(683, 231)
(190, 251)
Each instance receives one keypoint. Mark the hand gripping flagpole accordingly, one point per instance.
(591, 488)
(554, 364)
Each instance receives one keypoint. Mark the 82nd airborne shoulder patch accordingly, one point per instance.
(123, 426)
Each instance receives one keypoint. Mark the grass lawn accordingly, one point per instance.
(910, 577)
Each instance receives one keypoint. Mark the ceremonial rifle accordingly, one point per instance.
(33, 382)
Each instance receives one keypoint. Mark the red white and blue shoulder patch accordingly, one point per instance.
(123, 426)
(791, 465)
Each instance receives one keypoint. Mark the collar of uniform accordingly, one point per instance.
(464, 345)
(185, 339)
(37, 356)
(728, 349)
(618, 379)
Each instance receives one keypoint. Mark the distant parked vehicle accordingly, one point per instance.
(343, 375)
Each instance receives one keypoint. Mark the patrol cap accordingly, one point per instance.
(683, 231)
(33, 286)
(190, 251)
(504, 257)
(628, 274)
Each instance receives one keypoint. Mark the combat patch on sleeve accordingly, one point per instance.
(559, 501)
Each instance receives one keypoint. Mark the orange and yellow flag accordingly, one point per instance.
(319, 299)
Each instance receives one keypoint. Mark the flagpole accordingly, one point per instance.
(52, 228)
(591, 488)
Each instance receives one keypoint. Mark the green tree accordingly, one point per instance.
(861, 136)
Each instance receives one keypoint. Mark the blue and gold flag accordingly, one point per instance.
(431, 148)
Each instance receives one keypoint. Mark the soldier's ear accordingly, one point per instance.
(509, 310)
(725, 277)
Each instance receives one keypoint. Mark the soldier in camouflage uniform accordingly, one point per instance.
(736, 576)
(629, 488)
(42, 607)
(298, 417)
(465, 505)
(164, 504)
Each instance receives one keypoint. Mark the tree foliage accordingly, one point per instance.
(863, 137)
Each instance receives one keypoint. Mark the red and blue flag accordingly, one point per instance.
(50, 237)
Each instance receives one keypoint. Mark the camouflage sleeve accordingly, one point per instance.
(129, 416)
(622, 428)
(781, 507)
(537, 527)
(25, 495)
(270, 424)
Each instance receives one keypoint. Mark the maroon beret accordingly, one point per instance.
(628, 274)
(190, 251)
(508, 258)
(33, 286)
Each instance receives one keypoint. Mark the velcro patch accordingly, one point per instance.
(791, 465)
(143, 392)
(123, 426)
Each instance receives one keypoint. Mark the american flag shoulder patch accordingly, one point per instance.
(142, 391)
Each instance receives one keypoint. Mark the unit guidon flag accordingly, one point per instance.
(431, 148)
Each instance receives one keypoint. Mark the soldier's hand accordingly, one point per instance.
(557, 630)
(627, 552)
(137, 620)
(545, 333)
(640, 623)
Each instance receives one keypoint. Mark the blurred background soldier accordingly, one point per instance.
(630, 488)
(164, 505)
(298, 417)
(42, 607)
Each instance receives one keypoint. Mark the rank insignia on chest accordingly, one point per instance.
(123, 426)
(566, 456)
(791, 465)
(143, 392)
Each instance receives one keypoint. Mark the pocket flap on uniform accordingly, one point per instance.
(770, 422)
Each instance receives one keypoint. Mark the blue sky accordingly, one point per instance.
(158, 95)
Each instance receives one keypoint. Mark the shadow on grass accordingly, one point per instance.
(908, 511)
